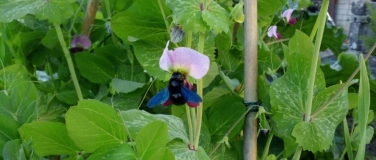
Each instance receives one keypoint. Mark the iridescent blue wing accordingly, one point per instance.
(159, 98)
(190, 96)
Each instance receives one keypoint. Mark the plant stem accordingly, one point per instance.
(108, 9)
(164, 16)
(201, 42)
(69, 60)
(267, 145)
(315, 57)
(297, 154)
(189, 127)
(250, 78)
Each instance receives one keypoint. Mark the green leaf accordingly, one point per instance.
(13, 150)
(182, 152)
(67, 96)
(163, 154)
(213, 95)
(194, 16)
(10, 76)
(212, 73)
(8, 128)
(135, 120)
(151, 138)
(23, 102)
(223, 41)
(48, 138)
(221, 120)
(323, 121)
(124, 86)
(341, 70)
(363, 108)
(96, 69)
(51, 39)
(143, 20)
(119, 151)
(267, 61)
(347, 140)
(266, 8)
(216, 17)
(92, 124)
(55, 11)
(289, 96)
(357, 137)
(123, 102)
(148, 54)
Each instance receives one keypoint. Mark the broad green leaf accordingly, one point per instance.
(28, 41)
(213, 95)
(92, 124)
(194, 16)
(148, 54)
(289, 99)
(135, 120)
(67, 96)
(182, 152)
(119, 151)
(51, 39)
(143, 21)
(123, 102)
(342, 69)
(124, 86)
(13, 150)
(266, 8)
(8, 129)
(221, 120)
(48, 138)
(363, 107)
(23, 102)
(95, 68)
(223, 41)
(52, 10)
(10, 76)
(151, 138)
(163, 154)
(267, 60)
(210, 76)
(2, 51)
(353, 100)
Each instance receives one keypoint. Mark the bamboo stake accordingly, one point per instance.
(250, 78)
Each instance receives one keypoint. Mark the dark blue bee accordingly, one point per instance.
(178, 92)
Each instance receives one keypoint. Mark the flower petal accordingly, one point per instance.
(165, 61)
(272, 31)
(81, 41)
(187, 60)
(287, 14)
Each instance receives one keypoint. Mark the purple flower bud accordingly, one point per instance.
(81, 41)
(292, 21)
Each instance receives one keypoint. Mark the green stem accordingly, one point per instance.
(201, 42)
(297, 154)
(69, 60)
(267, 145)
(189, 39)
(164, 16)
(190, 128)
(75, 17)
(315, 57)
(108, 9)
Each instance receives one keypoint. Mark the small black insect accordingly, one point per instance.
(178, 92)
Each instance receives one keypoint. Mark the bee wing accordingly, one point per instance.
(159, 98)
(190, 96)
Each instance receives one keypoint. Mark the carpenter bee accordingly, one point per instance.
(178, 92)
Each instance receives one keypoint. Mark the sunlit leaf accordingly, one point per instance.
(119, 151)
(92, 124)
(151, 138)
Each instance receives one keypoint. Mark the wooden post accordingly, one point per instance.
(250, 78)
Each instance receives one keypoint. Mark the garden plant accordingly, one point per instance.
(170, 79)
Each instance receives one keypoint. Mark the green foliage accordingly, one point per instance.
(92, 124)
(41, 115)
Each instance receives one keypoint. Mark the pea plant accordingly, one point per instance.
(165, 79)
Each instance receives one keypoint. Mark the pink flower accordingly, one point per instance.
(185, 61)
(272, 32)
(82, 41)
(287, 15)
